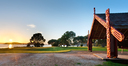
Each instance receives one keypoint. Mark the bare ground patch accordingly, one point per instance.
(73, 58)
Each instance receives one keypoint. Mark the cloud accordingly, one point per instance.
(31, 26)
(38, 32)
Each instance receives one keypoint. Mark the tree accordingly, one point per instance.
(37, 39)
(76, 41)
(52, 41)
(79, 40)
(102, 42)
(67, 38)
(85, 38)
(28, 45)
(56, 43)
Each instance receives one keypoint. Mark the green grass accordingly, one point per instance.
(33, 50)
(78, 63)
(56, 65)
(105, 49)
(51, 49)
(109, 63)
(99, 49)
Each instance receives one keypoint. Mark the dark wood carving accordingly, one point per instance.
(118, 35)
(108, 34)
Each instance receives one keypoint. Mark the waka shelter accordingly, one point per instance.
(110, 26)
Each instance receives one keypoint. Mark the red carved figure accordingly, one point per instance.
(108, 34)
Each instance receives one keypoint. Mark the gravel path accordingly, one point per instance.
(73, 58)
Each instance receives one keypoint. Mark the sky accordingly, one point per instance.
(20, 19)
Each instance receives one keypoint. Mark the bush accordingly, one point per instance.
(28, 45)
(81, 45)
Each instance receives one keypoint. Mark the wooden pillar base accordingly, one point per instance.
(90, 45)
(113, 48)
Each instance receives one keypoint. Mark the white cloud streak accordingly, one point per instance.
(31, 25)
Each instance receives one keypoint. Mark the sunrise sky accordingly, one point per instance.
(20, 19)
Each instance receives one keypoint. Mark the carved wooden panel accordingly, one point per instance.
(118, 35)
(108, 34)
(101, 21)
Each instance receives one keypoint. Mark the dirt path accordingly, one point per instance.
(73, 58)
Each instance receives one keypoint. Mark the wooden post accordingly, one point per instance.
(89, 43)
(113, 45)
(115, 49)
(108, 34)
(94, 11)
(111, 40)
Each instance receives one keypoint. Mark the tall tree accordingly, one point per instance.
(67, 38)
(78, 40)
(37, 39)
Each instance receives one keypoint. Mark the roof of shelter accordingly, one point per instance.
(117, 20)
(118, 26)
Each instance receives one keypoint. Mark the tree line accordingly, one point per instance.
(68, 38)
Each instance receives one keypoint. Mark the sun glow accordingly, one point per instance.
(10, 46)
(10, 40)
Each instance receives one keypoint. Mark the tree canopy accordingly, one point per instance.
(80, 39)
(52, 41)
(67, 38)
(37, 39)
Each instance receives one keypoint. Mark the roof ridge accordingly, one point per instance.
(114, 13)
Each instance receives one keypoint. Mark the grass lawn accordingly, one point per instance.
(105, 49)
(41, 49)
(109, 63)
(50, 49)
(33, 50)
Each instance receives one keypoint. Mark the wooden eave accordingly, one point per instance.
(98, 30)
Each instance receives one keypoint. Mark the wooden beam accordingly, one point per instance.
(126, 37)
(99, 38)
(125, 31)
(118, 35)
(101, 21)
(120, 30)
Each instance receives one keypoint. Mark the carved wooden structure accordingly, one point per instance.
(110, 26)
